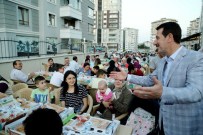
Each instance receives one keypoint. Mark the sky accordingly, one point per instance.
(140, 13)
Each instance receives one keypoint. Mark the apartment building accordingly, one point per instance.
(194, 27)
(201, 29)
(130, 39)
(192, 41)
(107, 23)
(19, 21)
(42, 23)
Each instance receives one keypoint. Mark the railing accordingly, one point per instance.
(13, 48)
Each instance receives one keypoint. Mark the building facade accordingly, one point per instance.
(130, 39)
(194, 27)
(19, 21)
(201, 29)
(107, 23)
(192, 41)
(46, 26)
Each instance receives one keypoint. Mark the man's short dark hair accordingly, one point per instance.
(59, 66)
(86, 64)
(96, 67)
(50, 59)
(38, 79)
(173, 28)
(75, 58)
(100, 72)
(43, 122)
(15, 62)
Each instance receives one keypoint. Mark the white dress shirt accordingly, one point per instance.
(74, 66)
(57, 79)
(18, 75)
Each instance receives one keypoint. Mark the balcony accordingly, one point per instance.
(70, 12)
(70, 33)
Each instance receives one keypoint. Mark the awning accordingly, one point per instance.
(191, 37)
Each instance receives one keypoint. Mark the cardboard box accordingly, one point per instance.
(11, 128)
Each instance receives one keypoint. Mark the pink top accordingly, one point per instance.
(104, 96)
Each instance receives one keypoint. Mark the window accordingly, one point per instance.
(52, 1)
(52, 20)
(90, 12)
(23, 16)
(73, 3)
(90, 28)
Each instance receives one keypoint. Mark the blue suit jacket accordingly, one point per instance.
(181, 106)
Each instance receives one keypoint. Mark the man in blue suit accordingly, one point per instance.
(177, 82)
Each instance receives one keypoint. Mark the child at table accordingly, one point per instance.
(101, 75)
(41, 94)
(103, 94)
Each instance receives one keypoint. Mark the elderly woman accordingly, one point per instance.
(120, 102)
(72, 94)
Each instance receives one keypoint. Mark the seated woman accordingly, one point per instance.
(120, 102)
(72, 94)
(85, 70)
(134, 71)
(111, 67)
(98, 63)
(4, 88)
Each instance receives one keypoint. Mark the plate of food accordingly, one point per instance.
(99, 123)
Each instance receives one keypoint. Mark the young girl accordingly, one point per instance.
(103, 94)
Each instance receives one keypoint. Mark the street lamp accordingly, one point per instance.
(84, 45)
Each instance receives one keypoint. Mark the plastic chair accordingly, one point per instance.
(10, 82)
(89, 103)
(23, 93)
(92, 92)
(16, 81)
(19, 86)
(57, 96)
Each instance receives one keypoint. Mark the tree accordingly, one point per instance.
(143, 46)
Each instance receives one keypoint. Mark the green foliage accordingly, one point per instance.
(143, 46)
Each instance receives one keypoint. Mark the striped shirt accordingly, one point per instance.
(74, 100)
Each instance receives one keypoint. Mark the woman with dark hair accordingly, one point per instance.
(98, 63)
(5, 88)
(85, 70)
(111, 67)
(72, 94)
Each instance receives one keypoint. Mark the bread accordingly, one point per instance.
(20, 128)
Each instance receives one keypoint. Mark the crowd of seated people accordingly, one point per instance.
(72, 94)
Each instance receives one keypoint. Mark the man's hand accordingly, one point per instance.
(153, 92)
(2, 95)
(112, 98)
(122, 75)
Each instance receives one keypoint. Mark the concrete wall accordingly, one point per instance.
(35, 64)
(87, 20)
